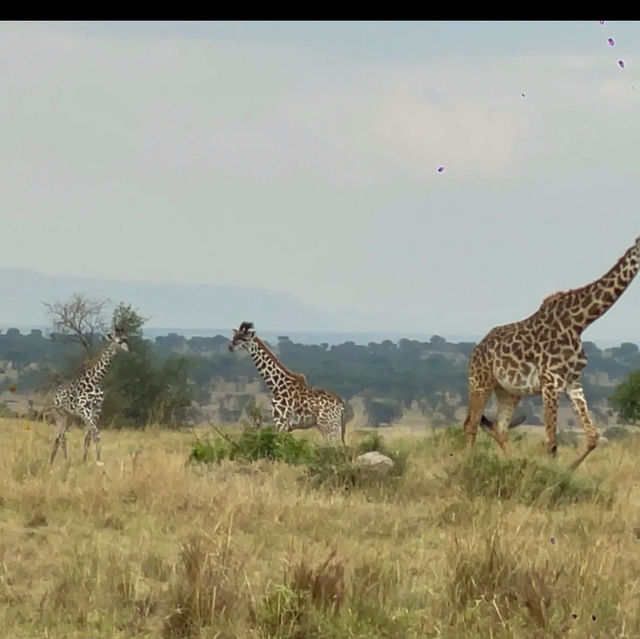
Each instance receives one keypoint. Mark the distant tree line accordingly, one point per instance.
(165, 380)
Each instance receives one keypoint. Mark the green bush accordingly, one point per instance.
(251, 445)
(326, 465)
(207, 452)
(334, 467)
(524, 480)
(626, 398)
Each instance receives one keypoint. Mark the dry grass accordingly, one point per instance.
(150, 546)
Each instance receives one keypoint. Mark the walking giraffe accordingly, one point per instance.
(294, 403)
(543, 355)
(83, 396)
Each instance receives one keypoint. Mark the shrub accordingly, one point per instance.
(251, 445)
(524, 480)
(326, 465)
(207, 452)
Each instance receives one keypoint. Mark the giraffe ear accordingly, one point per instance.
(109, 336)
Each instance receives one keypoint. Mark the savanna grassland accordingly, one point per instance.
(151, 545)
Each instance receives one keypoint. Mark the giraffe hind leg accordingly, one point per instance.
(506, 405)
(477, 401)
(550, 413)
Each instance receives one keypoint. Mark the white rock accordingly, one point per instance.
(375, 460)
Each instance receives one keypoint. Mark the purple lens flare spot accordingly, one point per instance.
(601, 21)
(552, 540)
(611, 42)
(440, 169)
(621, 64)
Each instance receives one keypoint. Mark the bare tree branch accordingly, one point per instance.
(78, 320)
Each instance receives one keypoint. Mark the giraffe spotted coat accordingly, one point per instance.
(543, 355)
(294, 403)
(83, 397)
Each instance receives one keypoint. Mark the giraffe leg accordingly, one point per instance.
(61, 436)
(506, 405)
(550, 411)
(330, 426)
(92, 434)
(63, 442)
(477, 401)
(580, 408)
(279, 418)
(87, 441)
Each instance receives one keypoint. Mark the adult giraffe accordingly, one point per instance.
(294, 403)
(543, 355)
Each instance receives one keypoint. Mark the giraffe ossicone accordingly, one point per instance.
(83, 396)
(294, 404)
(543, 355)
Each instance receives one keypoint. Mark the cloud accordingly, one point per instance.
(161, 107)
(182, 158)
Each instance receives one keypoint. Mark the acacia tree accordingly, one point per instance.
(626, 398)
(128, 320)
(142, 388)
(78, 320)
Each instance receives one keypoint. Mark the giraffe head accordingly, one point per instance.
(119, 338)
(242, 336)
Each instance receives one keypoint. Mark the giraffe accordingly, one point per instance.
(543, 355)
(294, 403)
(83, 396)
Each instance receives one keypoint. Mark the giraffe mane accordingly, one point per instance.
(299, 376)
(554, 296)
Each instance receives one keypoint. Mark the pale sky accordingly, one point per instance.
(303, 158)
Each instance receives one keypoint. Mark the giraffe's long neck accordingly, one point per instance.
(269, 366)
(100, 367)
(582, 306)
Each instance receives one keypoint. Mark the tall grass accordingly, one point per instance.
(455, 546)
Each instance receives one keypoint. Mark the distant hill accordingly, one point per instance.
(23, 292)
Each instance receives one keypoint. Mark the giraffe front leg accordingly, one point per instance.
(330, 424)
(279, 417)
(61, 437)
(550, 411)
(580, 408)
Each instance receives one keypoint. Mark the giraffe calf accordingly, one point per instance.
(294, 404)
(83, 397)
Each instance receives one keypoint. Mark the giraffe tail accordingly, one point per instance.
(343, 425)
(487, 424)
